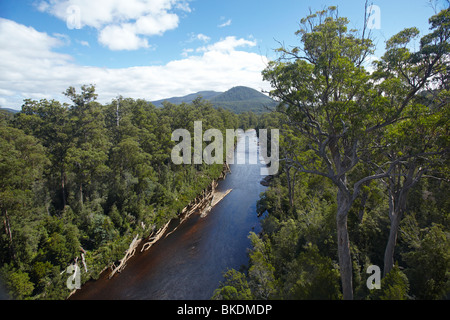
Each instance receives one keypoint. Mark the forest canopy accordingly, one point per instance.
(87, 178)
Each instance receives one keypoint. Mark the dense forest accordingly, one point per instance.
(364, 169)
(87, 178)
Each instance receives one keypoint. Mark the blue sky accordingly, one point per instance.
(154, 49)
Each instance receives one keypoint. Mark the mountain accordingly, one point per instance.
(238, 99)
(242, 99)
(9, 110)
(207, 95)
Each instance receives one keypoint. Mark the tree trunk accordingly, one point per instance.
(345, 261)
(117, 114)
(81, 195)
(397, 205)
(63, 188)
(392, 241)
(364, 197)
(293, 189)
(289, 183)
(9, 234)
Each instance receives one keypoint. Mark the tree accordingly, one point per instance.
(322, 90)
(22, 162)
(84, 98)
(421, 142)
(338, 109)
(17, 283)
(418, 140)
(312, 276)
(87, 156)
(429, 263)
(262, 279)
(49, 122)
(235, 287)
(288, 145)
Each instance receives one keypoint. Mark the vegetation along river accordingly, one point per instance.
(189, 263)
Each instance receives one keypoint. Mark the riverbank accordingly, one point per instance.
(201, 205)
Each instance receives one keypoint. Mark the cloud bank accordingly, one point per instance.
(30, 67)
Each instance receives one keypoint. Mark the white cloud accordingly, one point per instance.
(225, 24)
(30, 68)
(228, 44)
(84, 43)
(193, 37)
(186, 52)
(121, 38)
(156, 24)
(24, 50)
(203, 37)
(136, 19)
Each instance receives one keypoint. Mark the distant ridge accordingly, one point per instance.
(242, 99)
(238, 99)
(207, 95)
(9, 110)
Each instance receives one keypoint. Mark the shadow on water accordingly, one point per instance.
(189, 263)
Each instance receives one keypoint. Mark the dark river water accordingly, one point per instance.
(189, 263)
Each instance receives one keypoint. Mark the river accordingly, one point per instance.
(190, 262)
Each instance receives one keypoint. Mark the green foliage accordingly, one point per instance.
(429, 264)
(377, 143)
(292, 260)
(17, 283)
(394, 286)
(235, 287)
(86, 178)
(311, 276)
(261, 272)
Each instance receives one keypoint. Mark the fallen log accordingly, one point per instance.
(219, 197)
(157, 236)
(215, 199)
(84, 262)
(128, 254)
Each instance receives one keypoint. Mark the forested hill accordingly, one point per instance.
(8, 110)
(243, 99)
(188, 98)
(238, 99)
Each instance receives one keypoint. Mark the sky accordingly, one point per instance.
(156, 49)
